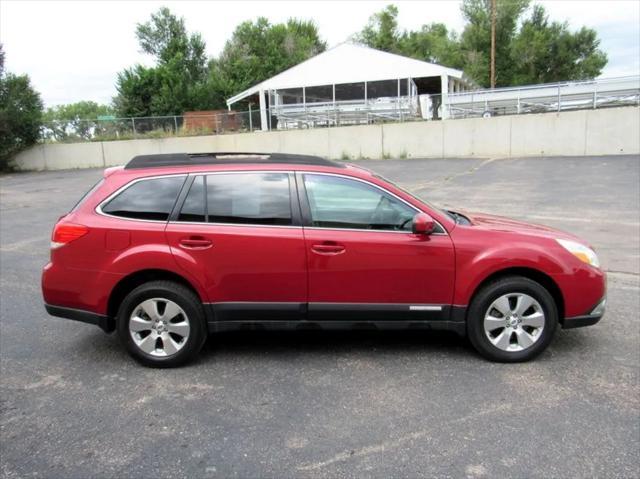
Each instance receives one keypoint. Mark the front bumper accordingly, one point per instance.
(103, 322)
(589, 319)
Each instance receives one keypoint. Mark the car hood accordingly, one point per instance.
(500, 223)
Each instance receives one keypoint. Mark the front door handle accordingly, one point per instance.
(328, 249)
(195, 242)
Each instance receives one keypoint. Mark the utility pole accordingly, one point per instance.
(493, 43)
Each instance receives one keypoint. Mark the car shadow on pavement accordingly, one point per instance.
(95, 346)
(277, 343)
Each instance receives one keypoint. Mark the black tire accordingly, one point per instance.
(485, 298)
(185, 299)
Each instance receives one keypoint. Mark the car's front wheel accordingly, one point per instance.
(162, 324)
(512, 319)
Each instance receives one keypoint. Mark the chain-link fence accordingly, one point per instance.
(149, 127)
(280, 118)
(503, 101)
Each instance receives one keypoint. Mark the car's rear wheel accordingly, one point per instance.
(162, 324)
(512, 319)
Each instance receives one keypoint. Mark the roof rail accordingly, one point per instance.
(187, 159)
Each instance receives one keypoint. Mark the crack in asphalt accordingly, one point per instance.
(394, 443)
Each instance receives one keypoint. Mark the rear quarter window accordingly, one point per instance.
(151, 199)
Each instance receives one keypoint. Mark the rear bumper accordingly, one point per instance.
(103, 322)
(589, 319)
(77, 289)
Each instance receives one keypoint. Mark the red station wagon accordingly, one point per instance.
(172, 247)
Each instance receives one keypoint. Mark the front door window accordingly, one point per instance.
(337, 202)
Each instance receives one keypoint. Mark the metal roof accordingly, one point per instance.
(348, 63)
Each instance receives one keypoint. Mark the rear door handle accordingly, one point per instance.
(328, 249)
(195, 242)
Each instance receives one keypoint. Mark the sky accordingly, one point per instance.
(73, 50)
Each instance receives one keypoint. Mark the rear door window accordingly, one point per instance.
(249, 198)
(239, 198)
(151, 199)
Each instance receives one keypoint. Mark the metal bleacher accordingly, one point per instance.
(549, 97)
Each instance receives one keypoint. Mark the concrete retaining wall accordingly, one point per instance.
(585, 132)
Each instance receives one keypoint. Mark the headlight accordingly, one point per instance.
(580, 251)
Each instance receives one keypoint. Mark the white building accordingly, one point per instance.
(353, 84)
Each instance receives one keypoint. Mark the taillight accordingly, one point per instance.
(65, 233)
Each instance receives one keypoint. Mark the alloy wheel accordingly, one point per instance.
(514, 322)
(159, 327)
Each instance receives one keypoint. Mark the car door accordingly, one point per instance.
(240, 234)
(363, 261)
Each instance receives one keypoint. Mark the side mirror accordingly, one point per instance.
(423, 224)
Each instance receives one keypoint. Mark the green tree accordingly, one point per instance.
(165, 37)
(538, 51)
(545, 51)
(476, 38)
(258, 50)
(20, 114)
(432, 42)
(177, 82)
(1, 59)
(381, 31)
(75, 121)
(136, 88)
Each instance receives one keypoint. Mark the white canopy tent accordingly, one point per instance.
(358, 72)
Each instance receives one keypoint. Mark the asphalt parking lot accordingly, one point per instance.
(332, 404)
